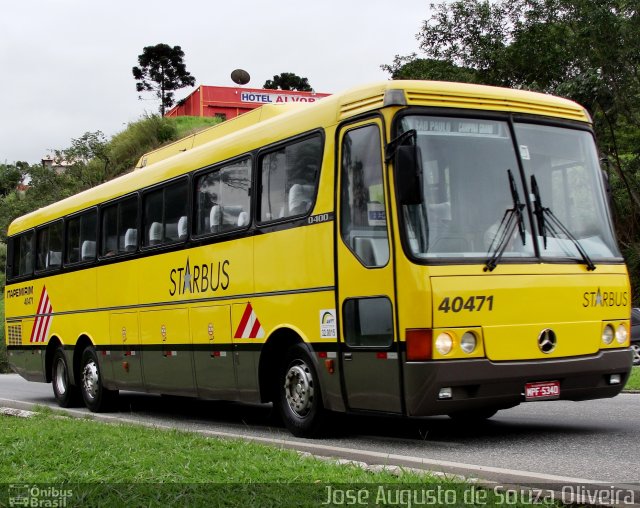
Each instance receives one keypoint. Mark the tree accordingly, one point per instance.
(288, 81)
(412, 67)
(584, 50)
(162, 70)
(11, 175)
(87, 159)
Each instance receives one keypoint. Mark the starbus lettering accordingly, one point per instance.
(601, 298)
(199, 278)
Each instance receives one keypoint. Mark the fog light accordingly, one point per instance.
(621, 334)
(615, 379)
(445, 393)
(607, 334)
(444, 343)
(468, 342)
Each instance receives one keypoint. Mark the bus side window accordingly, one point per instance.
(56, 241)
(109, 230)
(81, 237)
(128, 225)
(73, 241)
(120, 227)
(164, 218)
(152, 217)
(49, 247)
(289, 178)
(20, 255)
(222, 198)
(42, 248)
(26, 254)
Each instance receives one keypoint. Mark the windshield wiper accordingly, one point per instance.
(511, 219)
(538, 211)
(546, 220)
(517, 206)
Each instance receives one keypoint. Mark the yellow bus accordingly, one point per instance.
(406, 248)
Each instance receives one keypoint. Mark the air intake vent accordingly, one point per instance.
(361, 106)
(15, 334)
(509, 102)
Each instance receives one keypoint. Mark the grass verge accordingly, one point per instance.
(99, 464)
(4, 359)
(186, 125)
(634, 380)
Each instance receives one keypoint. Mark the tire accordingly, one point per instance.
(96, 397)
(635, 347)
(299, 397)
(66, 394)
(473, 415)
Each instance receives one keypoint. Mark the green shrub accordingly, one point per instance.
(4, 360)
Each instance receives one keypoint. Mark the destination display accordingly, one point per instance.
(434, 126)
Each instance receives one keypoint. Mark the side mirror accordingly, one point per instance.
(604, 170)
(408, 173)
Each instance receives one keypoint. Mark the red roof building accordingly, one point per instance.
(229, 102)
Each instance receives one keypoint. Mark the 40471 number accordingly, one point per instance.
(470, 304)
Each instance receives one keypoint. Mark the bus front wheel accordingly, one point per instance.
(96, 397)
(299, 396)
(66, 394)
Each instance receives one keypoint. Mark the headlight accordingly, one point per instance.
(621, 334)
(468, 342)
(444, 343)
(607, 334)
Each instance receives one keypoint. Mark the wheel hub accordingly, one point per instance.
(298, 389)
(90, 379)
(60, 377)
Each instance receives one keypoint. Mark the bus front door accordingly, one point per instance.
(368, 343)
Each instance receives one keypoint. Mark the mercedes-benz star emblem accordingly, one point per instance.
(547, 341)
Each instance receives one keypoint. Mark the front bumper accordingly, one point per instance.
(481, 383)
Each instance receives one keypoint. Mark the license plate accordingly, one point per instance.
(546, 390)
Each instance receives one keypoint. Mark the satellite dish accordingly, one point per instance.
(240, 76)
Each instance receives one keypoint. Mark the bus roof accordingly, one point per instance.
(214, 132)
(256, 129)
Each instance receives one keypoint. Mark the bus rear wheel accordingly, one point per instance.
(66, 394)
(299, 396)
(96, 397)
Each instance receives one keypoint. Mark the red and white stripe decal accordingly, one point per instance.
(42, 324)
(249, 327)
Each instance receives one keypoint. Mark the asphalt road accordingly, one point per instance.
(594, 441)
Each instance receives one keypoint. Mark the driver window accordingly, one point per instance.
(363, 221)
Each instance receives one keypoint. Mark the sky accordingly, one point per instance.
(65, 65)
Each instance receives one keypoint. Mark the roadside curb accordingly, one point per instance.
(509, 482)
(482, 475)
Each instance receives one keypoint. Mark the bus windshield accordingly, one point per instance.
(473, 185)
